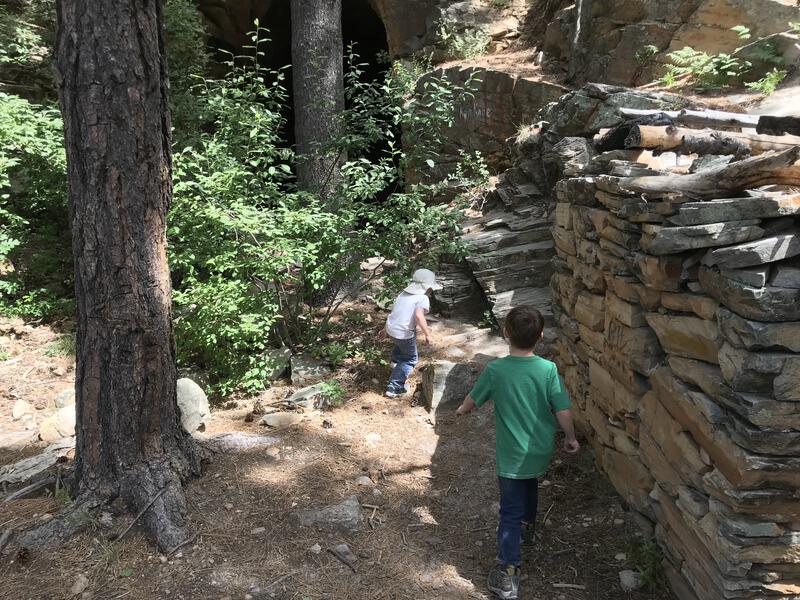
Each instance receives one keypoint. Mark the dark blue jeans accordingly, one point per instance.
(404, 356)
(519, 499)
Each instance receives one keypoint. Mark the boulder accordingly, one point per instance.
(59, 425)
(345, 515)
(193, 405)
(307, 369)
(309, 397)
(447, 384)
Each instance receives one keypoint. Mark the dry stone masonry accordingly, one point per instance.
(679, 315)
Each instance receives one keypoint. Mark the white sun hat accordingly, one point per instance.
(422, 281)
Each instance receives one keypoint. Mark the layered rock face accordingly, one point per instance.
(678, 342)
(610, 43)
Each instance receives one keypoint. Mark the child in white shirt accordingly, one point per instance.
(408, 313)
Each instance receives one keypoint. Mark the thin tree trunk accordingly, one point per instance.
(113, 90)
(318, 72)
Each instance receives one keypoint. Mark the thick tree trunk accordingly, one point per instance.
(317, 64)
(706, 141)
(113, 91)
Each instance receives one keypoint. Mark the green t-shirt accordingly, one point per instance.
(526, 391)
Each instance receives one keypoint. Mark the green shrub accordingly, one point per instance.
(461, 43)
(769, 83)
(333, 392)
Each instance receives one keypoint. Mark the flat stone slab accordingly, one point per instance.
(672, 240)
(769, 304)
(690, 337)
(754, 335)
(752, 276)
(766, 250)
(307, 369)
(345, 515)
(281, 420)
(786, 275)
(737, 209)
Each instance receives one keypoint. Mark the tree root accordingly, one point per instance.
(153, 490)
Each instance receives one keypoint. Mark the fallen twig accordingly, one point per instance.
(569, 586)
(182, 544)
(282, 579)
(141, 512)
(30, 488)
(5, 537)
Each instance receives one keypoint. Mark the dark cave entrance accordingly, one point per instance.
(362, 28)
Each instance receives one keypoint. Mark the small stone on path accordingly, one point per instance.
(80, 585)
(365, 481)
(622, 557)
(257, 530)
(346, 515)
(20, 409)
(281, 419)
(630, 580)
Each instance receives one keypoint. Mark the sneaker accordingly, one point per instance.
(391, 394)
(504, 582)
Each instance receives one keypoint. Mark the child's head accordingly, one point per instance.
(523, 327)
(423, 282)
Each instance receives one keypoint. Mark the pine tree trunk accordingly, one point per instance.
(113, 91)
(317, 64)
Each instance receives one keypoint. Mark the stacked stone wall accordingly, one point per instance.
(679, 320)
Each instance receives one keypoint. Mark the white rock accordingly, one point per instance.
(80, 585)
(258, 530)
(58, 425)
(621, 557)
(365, 481)
(20, 409)
(65, 398)
(193, 404)
(630, 580)
(315, 549)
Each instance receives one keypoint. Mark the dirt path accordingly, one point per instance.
(429, 518)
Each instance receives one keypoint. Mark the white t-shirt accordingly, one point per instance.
(401, 324)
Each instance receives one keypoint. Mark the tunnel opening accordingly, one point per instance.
(362, 29)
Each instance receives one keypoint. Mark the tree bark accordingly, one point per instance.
(696, 118)
(113, 91)
(318, 72)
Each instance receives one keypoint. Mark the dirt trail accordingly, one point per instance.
(429, 517)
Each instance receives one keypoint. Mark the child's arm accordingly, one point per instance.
(419, 316)
(571, 444)
(467, 406)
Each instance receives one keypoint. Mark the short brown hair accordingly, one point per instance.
(524, 326)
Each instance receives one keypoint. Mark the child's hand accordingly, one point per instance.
(463, 410)
(426, 339)
(571, 446)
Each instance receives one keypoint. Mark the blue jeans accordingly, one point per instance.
(519, 500)
(404, 356)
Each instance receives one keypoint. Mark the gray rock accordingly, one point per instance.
(280, 420)
(630, 581)
(447, 384)
(346, 515)
(752, 276)
(309, 397)
(786, 275)
(277, 362)
(770, 304)
(193, 405)
(307, 369)
(766, 250)
(689, 337)
(65, 398)
(737, 209)
(754, 335)
(237, 441)
(672, 240)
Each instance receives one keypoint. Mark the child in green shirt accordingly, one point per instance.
(528, 400)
